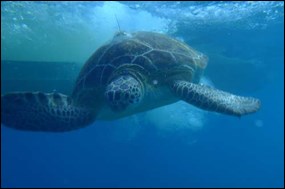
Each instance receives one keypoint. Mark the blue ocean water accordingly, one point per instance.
(174, 146)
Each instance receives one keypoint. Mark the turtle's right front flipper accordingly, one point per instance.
(212, 99)
(51, 112)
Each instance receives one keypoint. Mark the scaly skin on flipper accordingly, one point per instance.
(51, 112)
(212, 99)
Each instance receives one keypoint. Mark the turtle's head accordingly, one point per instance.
(124, 91)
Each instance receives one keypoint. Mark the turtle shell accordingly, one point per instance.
(147, 53)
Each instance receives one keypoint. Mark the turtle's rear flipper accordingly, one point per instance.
(212, 99)
(38, 111)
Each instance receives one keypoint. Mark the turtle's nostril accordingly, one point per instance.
(110, 95)
(117, 95)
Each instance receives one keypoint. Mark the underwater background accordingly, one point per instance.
(44, 45)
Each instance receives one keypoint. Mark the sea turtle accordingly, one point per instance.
(134, 72)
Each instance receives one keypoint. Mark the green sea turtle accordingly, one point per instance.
(134, 72)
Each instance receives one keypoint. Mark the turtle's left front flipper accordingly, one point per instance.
(212, 99)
